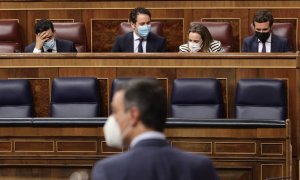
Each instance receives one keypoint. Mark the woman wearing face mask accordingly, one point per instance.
(200, 40)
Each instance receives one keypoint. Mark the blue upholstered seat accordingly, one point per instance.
(261, 99)
(196, 98)
(75, 97)
(16, 98)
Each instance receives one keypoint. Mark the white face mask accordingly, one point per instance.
(194, 47)
(112, 133)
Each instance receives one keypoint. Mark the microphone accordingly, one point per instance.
(49, 50)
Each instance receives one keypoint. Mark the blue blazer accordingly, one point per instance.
(278, 44)
(154, 159)
(61, 45)
(124, 43)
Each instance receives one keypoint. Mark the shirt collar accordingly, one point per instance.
(147, 135)
(135, 36)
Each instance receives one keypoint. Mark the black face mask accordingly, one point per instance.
(262, 36)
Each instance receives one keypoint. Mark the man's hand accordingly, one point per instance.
(40, 39)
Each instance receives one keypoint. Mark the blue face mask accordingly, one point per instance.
(144, 30)
(49, 44)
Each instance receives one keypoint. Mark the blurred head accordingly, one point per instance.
(262, 23)
(138, 106)
(199, 34)
(140, 21)
(45, 25)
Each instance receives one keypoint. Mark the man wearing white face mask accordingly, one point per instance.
(200, 40)
(46, 41)
(137, 121)
(141, 40)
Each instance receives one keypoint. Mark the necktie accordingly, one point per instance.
(140, 47)
(263, 50)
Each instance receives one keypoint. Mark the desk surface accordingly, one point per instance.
(151, 60)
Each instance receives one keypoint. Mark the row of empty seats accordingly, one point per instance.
(192, 98)
(11, 41)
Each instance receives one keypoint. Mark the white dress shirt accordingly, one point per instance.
(136, 42)
(268, 44)
(147, 135)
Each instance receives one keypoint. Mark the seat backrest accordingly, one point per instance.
(196, 98)
(118, 82)
(261, 99)
(75, 97)
(16, 99)
(74, 32)
(286, 30)
(221, 31)
(156, 28)
(10, 36)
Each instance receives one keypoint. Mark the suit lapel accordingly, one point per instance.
(130, 42)
(255, 44)
(273, 43)
(149, 45)
(59, 46)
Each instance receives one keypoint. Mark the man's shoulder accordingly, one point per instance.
(249, 38)
(156, 36)
(64, 41)
(278, 38)
(30, 47)
(125, 36)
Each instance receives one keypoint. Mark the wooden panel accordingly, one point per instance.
(104, 96)
(235, 148)
(44, 173)
(271, 171)
(173, 32)
(196, 147)
(41, 91)
(108, 150)
(34, 146)
(272, 149)
(104, 33)
(235, 173)
(76, 146)
(5, 146)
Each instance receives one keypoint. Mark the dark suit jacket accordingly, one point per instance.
(278, 44)
(154, 160)
(61, 45)
(124, 43)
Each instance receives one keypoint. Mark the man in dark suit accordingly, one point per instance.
(141, 39)
(46, 41)
(263, 40)
(137, 121)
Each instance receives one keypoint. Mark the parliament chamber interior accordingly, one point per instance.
(240, 109)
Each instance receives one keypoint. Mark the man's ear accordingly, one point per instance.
(135, 116)
(133, 26)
